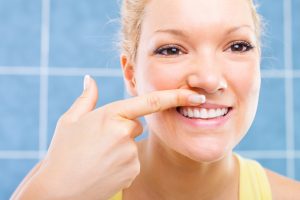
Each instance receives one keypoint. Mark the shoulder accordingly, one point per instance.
(283, 187)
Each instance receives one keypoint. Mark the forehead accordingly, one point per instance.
(197, 14)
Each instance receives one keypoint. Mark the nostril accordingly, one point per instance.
(211, 81)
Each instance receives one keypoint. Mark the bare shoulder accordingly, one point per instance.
(283, 187)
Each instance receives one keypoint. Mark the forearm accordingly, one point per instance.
(32, 186)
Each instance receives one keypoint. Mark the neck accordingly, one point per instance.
(166, 174)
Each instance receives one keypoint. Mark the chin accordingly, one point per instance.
(208, 153)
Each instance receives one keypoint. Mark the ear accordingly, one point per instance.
(128, 74)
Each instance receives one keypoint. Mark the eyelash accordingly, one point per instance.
(244, 44)
(166, 48)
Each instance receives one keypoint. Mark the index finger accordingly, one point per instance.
(155, 102)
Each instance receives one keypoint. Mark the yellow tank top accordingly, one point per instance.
(254, 183)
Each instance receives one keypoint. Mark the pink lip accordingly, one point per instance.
(206, 123)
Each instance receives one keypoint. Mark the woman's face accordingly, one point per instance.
(209, 47)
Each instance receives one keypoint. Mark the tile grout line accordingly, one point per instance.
(289, 115)
(115, 72)
(105, 72)
(20, 154)
(98, 72)
(44, 61)
(255, 154)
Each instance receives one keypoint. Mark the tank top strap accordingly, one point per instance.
(254, 183)
(117, 196)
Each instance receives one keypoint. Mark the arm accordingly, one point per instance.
(283, 187)
(93, 154)
(25, 181)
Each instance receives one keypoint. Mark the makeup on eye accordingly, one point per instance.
(169, 50)
(240, 46)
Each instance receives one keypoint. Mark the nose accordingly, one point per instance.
(206, 74)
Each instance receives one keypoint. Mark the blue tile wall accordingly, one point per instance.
(298, 167)
(83, 33)
(276, 165)
(11, 174)
(18, 116)
(297, 113)
(295, 32)
(82, 37)
(272, 38)
(263, 128)
(64, 90)
(20, 32)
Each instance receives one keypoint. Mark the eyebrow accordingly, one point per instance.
(181, 33)
(236, 28)
(176, 32)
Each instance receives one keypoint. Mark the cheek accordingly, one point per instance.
(245, 83)
(244, 80)
(157, 76)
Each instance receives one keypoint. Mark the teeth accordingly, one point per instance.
(190, 112)
(202, 113)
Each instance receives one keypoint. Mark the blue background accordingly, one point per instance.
(47, 46)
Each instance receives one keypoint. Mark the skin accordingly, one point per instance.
(93, 154)
(203, 63)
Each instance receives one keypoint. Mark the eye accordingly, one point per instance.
(240, 46)
(169, 50)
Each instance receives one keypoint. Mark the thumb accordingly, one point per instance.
(87, 100)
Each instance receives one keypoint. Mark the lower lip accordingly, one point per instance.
(206, 123)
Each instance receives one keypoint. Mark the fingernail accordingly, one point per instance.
(197, 99)
(86, 82)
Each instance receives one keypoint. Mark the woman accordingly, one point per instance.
(193, 67)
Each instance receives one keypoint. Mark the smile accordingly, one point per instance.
(203, 113)
(205, 116)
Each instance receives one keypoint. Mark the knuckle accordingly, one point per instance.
(131, 154)
(127, 128)
(153, 102)
(136, 168)
(137, 127)
(66, 119)
(133, 150)
(125, 134)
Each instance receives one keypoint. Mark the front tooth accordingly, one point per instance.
(190, 113)
(197, 113)
(222, 111)
(219, 112)
(203, 113)
(211, 113)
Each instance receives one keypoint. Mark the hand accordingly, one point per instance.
(93, 154)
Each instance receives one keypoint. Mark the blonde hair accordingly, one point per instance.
(132, 14)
